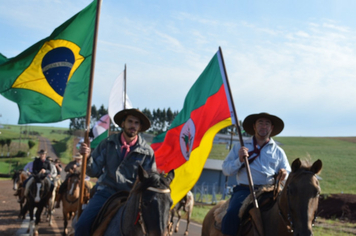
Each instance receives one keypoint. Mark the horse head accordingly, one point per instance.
(150, 202)
(300, 197)
(73, 183)
(15, 179)
(39, 187)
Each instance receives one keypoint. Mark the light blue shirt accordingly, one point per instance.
(272, 158)
(28, 167)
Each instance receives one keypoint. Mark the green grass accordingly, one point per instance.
(62, 144)
(338, 157)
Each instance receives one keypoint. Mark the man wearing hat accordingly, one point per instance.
(40, 166)
(72, 166)
(265, 157)
(115, 163)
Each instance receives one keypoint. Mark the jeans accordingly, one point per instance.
(86, 219)
(231, 221)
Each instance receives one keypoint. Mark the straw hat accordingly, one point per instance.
(78, 156)
(250, 120)
(121, 115)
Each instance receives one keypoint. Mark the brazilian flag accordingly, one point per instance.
(50, 80)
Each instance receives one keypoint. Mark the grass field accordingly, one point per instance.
(61, 142)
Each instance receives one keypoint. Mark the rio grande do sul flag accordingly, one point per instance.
(50, 80)
(185, 147)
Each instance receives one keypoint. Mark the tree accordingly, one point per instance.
(31, 144)
(8, 142)
(2, 143)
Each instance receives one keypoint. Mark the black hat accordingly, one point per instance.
(42, 152)
(250, 120)
(121, 116)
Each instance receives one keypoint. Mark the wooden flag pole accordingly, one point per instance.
(124, 88)
(87, 127)
(256, 214)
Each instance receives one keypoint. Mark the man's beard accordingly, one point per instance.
(130, 134)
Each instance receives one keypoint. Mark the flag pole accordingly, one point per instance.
(125, 88)
(257, 217)
(87, 118)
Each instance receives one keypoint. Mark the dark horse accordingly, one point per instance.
(186, 204)
(39, 192)
(145, 212)
(293, 212)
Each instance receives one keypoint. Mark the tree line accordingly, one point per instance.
(160, 119)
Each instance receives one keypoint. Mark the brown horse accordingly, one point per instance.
(71, 196)
(18, 178)
(70, 199)
(294, 210)
(186, 204)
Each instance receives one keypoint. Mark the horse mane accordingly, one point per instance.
(74, 174)
(155, 179)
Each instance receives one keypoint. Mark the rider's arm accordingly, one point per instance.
(232, 162)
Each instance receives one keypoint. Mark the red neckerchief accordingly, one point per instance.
(255, 150)
(125, 145)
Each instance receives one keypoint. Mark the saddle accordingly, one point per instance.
(107, 212)
(266, 199)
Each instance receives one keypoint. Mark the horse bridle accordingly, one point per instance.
(140, 215)
(288, 221)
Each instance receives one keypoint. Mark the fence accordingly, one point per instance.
(211, 194)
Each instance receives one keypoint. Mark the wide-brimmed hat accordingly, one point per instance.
(42, 151)
(250, 120)
(121, 115)
(78, 156)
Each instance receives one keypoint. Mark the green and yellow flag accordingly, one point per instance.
(185, 147)
(50, 80)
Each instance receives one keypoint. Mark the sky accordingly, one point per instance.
(293, 59)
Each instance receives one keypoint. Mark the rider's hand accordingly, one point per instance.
(242, 153)
(43, 171)
(84, 149)
(282, 174)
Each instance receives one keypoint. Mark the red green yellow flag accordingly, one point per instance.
(50, 80)
(185, 147)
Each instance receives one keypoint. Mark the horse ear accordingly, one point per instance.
(142, 174)
(170, 176)
(316, 167)
(296, 165)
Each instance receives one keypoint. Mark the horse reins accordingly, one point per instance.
(288, 221)
(140, 217)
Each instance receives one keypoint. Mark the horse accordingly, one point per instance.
(186, 204)
(18, 178)
(71, 196)
(292, 213)
(51, 201)
(143, 211)
(70, 199)
(39, 192)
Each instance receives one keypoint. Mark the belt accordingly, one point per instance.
(255, 186)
